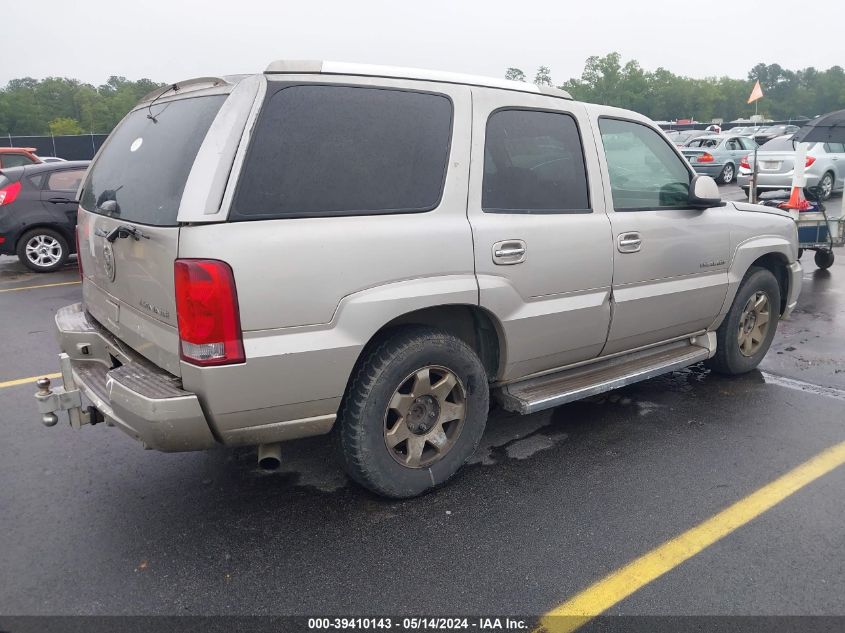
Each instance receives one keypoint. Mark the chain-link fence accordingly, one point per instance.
(71, 147)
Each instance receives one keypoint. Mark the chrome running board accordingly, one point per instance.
(551, 390)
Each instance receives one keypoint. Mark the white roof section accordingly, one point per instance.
(370, 70)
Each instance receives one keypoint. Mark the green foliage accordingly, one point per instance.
(58, 104)
(543, 76)
(514, 74)
(64, 125)
(664, 96)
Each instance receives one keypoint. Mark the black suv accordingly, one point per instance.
(38, 212)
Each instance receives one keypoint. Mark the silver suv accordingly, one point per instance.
(370, 253)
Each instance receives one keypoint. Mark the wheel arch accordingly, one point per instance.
(64, 231)
(777, 264)
(474, 325)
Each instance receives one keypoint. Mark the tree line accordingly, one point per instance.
(59, 105)
(664, 96)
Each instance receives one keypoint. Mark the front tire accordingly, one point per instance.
(746, 334)
(414, 412)
(43, 250)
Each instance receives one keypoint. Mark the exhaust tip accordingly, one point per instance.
(270, 456)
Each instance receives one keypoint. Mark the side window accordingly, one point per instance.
(533, 162)
(65, 180)
(339, 150)
(747, 143)
(15, 160)
(834, 148)
(733, 144)
(645, 173)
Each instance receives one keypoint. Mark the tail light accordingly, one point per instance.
(9, 193)
(810, 161)
(207, 313)
(744, 164)
(705, 158)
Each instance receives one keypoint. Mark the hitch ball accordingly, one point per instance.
(43, 384)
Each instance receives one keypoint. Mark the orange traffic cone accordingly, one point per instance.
(796, 200)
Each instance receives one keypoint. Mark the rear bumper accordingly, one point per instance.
(139, 398)
(709, 169)
(775, 181)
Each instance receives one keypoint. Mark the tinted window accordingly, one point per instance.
(645, 173)
(533, 161)
(66, 180)
(335, 150)
(146, 161)
(15, 160)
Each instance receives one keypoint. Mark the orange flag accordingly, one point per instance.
(757, 93)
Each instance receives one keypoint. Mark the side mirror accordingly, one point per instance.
(704, 192)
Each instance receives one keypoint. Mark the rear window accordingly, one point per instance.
(146, 161)
(339, 150)
(782, 144)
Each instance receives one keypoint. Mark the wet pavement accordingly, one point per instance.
(92, 524)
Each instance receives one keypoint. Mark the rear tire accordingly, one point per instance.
(824, 259)
(43, 250)
(728, 174)
(742, 340)
(414, 412)
(825, 186)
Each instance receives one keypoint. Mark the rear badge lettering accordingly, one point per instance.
(149, 307)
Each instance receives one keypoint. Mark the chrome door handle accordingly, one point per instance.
(508, 252)
(629, 242)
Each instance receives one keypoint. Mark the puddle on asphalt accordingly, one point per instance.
(312, 464)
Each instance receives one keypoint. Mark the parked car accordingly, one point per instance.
(717, 155)
(372, 252)
(684, 136)
(38, 213)
(17, 156)
(766, 134)
(824, 167)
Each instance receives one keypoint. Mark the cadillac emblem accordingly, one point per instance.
(108, 261)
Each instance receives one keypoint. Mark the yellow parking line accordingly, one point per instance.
(61, 283)
(24, 381)
(621, 583)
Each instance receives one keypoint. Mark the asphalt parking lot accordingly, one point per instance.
(91, 524)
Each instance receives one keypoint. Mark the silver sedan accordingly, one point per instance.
(717, 155)
(824, 167)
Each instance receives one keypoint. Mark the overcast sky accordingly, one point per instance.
(177, 39)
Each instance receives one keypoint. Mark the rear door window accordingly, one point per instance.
(142, 170)
(533, 162)
(65, 180)
(340, 150)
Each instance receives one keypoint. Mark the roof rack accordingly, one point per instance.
(285, 66)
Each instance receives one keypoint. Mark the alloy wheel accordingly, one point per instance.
(754, 324)
(43, 250)
(425, 416)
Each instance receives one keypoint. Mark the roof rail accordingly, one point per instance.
(287, 66)
(195, 84)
